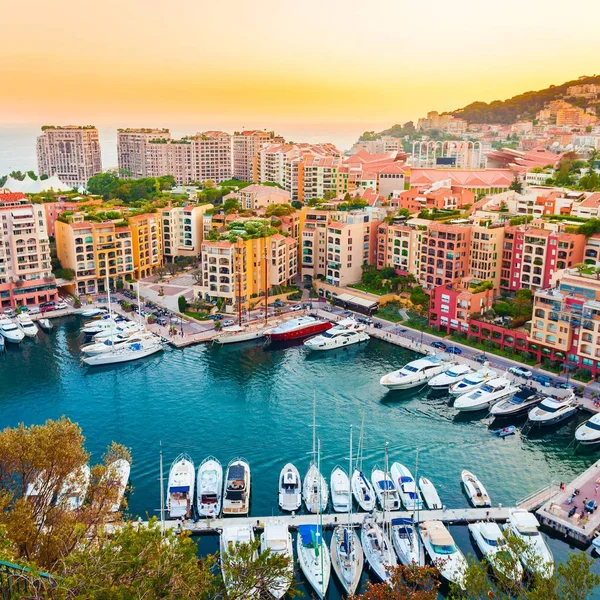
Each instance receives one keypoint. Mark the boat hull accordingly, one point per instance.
(240, 337)
(302, 332)
(110, 358)
(358, 339)
(348, 574)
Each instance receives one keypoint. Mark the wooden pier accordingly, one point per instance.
(331, 520)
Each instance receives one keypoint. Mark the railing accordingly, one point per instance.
(536, 499)
(19, 582)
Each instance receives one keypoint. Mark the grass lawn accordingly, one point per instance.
(366, 288)
(199, 316)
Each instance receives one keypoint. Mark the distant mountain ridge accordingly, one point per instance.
(524, 106)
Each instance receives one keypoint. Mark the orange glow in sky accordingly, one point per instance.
(270, 61)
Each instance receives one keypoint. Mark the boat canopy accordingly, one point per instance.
(179, 488)
(310, 534)
(236, 472)
(401, 522)
(406, 479)
(385, 485)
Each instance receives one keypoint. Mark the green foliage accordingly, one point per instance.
(520, 220)
(182, 304)
(419, 298)
(590, 227)
(231, 205)
(109, 186)
(279, 210)
(482, 287)
(235, 183)
(516, 185)
(68, 274)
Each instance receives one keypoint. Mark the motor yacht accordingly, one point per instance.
(297, 329)
(114, 343)
(234, 578)
(131, 351)
(377, 548)
(492, 391)
(209, 488)
(407, 543)
(429, 494)
(180, 490)
(476, 493)
(237, 333)
(537, 556)
(345, 333)
(406, 487)
(117, 477)
(277, 539)
(553, 410)
(27, 326)
(10, 332)
(492, 544)
(45, 324)
(442, 550)
(314, 490)
(90, 313)
(472, 382)
(290, 488)
(588, 433)
(74, 489)
(314, 557)
(415, 373)
(363, 491)
(523, 401)
(236, 496)
(340, 490)
(385, 490)
(452, 375)
(125, 328)
(106, 323)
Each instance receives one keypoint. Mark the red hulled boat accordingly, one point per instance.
(298, 328)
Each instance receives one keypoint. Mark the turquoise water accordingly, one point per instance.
(247, 401)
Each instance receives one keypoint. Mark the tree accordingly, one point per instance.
(47, 456)
(407, 582)
(516, 185)
(182, 304)
(580, 267)
(419, 298)
(279, 210)
(161, 271)
(523, 300)
(172, 268)
(197, 275)
(231, 205)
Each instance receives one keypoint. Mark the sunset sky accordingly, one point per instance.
(151, 62)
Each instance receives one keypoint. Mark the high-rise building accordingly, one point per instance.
(25, 267)
(147, 253)
(137, 156)
(70, 152)
(182, 230)
(246, 146)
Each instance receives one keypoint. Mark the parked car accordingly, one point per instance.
(543, 380)
(296, 307)
(228, 323)
(48, 305)
(9, 312)
(480, 358)
(161, 321)
(35, 310)
(563, 385)
(454, 350)
(439, 345)
(61, 305)
(520, 372)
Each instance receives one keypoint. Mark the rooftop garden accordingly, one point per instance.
(246, 230)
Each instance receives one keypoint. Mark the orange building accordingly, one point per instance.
(416, 200)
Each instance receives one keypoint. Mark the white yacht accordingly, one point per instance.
(523, 401)
(209, 488)
(107, 323)
(553, 410)
(236, 496)
(74, 489)
(131, 351)
(347, 557)
(385, 490)
(314, 488)
(442, 550)
(277, 538)
(492, 391)
(10, 332)
(588, 433)
(430, 494)
(125, 328)
(475, 491)
(472, 382)
(180, 490)
(117, 474)
(524, 525)
(290, 488)
(314, 557)
(406, 487)
(340, 490)
(345, 333)
(449, 377)
(114, 343)
(90, 313)
(27, 326)
(45, 324)
(407, 544)
(492, 544)
(362, 490)
(237, 333)
(415, 373)
(232, 536)
(377, 547)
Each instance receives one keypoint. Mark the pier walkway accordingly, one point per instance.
(331, 520)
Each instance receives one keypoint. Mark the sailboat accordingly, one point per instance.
(376, 543)
(314, 488)
(346, 551)
(361, 486)
(312, 551)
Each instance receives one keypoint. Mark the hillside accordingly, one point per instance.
(523, 106)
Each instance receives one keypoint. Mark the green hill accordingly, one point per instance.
(523, 106)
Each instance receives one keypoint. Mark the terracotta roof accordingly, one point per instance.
(493, 178)
(12, 196)
(592, 201)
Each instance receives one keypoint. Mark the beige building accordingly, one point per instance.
(255, 196)
(398, 246)
(139, 158)
(25, 267)
(246, 146)
(70, 152)
(485, 255)
(182, 230)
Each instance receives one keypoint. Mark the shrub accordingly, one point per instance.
(182, 304)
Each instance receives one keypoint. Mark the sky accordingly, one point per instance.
(323, 65)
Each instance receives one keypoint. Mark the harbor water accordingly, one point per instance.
(256, 402)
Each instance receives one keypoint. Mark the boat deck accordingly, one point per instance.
(330, 521)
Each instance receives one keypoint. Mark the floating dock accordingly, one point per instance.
(331, 520)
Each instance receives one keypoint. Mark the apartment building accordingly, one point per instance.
(234, 270)
(212, 156)
(591, 251)
(72, 153)
(320, 177)
(147, 244)
(444, 254)
(25, 266)
(255, 196)
(246, 147)
(93, 251)
(530, 256)
(54, 210)
(137, 158)
(485, 255)
(398, 246)
(182, 230)
(379, 146)
(438, 196)
(337, 244)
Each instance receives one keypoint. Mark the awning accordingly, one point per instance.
(357, 301)
(179, 488)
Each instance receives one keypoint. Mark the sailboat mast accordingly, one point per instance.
(162, 497)
(385, 479)
(266, 274)
(359, 453)
(350, 472)
(320, 516)
(418, 508)
(314, 426)
(239, 278)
